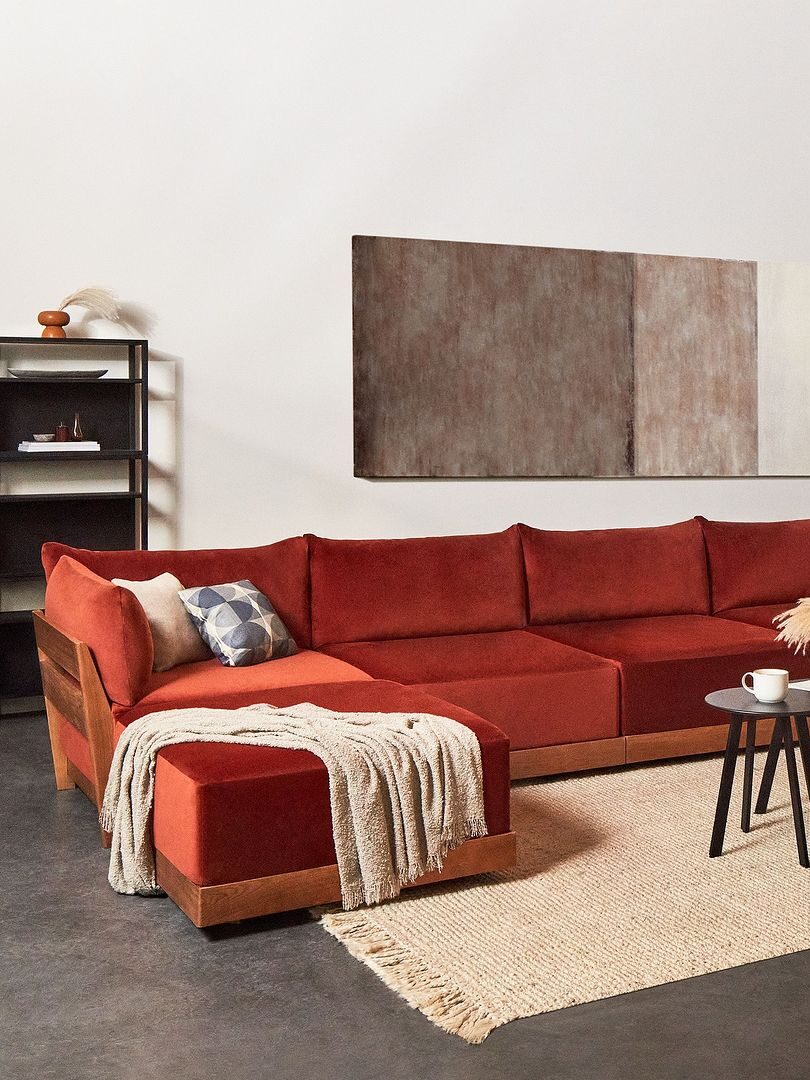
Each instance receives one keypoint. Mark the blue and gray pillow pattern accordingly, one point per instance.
(238, 623)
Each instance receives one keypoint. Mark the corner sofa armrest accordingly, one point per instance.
(109, 620)
(75, 699)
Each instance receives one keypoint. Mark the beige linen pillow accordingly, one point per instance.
(174, 634)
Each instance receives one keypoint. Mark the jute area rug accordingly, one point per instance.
(613, 892)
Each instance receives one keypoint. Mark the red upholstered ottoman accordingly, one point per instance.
(246, 830)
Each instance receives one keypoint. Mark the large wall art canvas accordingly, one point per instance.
(490, 360)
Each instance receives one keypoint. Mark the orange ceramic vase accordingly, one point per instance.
(54, 323)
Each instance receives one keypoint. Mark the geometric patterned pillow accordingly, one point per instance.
(238, 623)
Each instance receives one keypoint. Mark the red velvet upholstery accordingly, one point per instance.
(110, 620)
(279, 570)
(615, 573)
(461, 656)
(668, 664)
(757, 562)
(211, 684)
(760, 614)
(544, 709)
(363, 590)
(537, 691)
(226, 813)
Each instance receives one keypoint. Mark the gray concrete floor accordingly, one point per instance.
(95, 985)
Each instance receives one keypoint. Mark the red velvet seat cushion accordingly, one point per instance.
(211, 684)
(757, 562)
(615, 573)
(539, 692)
(110, 620)
(669, 663)
(227, 813)
(279, 570)
(545, 709)
(760, 614)
(365, 590)
(461, 656)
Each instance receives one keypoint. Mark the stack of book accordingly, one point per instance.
(48, 447)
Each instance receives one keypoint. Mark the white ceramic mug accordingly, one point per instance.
(768, 684)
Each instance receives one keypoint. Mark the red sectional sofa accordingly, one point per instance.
(572, 650)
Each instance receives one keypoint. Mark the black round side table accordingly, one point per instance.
(744, 707)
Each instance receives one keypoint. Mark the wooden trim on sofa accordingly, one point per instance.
(626, 750)
(686, 742)
(567, 758)
(74, 694)
(210, 905)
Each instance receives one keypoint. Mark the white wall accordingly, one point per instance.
(211, 161)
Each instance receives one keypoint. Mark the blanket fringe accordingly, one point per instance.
(356, 894)
(435, 996)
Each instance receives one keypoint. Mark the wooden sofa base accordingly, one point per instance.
(625, 750)
(686, 743)
(210, 905)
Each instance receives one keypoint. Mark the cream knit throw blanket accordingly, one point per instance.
(405, 788)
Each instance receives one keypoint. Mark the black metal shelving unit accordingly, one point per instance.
(114, 411)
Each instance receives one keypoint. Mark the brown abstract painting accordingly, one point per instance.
(489, 360)
(695, 352)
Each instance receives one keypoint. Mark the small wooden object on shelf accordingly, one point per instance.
(54, 323)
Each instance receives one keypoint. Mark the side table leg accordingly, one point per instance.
(770, 768)
(795, 792)
(804, 747)
(748, 777)
(726, 783)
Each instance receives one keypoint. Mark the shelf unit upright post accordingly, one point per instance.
(115, 412)
(138, 366)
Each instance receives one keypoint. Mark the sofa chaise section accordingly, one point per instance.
(240, 831)
(227, 813)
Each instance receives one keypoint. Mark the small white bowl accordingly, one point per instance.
(44, 438)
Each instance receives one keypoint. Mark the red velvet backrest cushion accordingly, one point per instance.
(757, 562)
(615, 573)
(110, 620)
(366, 590)
(278, 570)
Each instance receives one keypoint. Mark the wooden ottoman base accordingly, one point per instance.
(209, 905)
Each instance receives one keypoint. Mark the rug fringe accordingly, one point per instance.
(433, 995)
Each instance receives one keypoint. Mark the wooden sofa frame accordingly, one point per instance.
(74, 693)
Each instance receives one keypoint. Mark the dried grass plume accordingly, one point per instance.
(794, 625)
(101, 301)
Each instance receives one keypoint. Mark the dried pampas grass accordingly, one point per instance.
(794, 625)
(101, 301)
